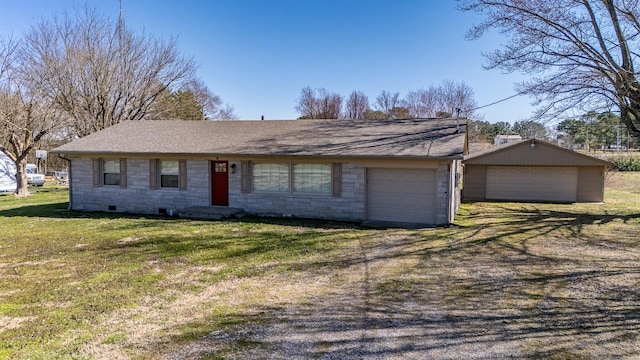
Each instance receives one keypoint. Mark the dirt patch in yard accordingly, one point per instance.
(10, 323)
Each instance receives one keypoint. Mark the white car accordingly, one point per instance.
(33, 178)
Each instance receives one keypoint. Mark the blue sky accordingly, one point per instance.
(258, 54)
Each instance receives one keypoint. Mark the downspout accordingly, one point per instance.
(70, 177)
(454, 195)
(449, 193)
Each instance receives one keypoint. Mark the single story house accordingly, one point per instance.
(404, 170)
(8, 171)
(533, 170)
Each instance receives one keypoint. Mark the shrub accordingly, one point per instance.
(625, 163)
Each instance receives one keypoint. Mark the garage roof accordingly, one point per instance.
(398, 138)
(532, 153)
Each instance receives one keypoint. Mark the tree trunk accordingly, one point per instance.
(22, 188)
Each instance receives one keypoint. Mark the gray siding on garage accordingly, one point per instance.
(532, 183)
(534, 170)
(546, 173)
(540, 154)
(588, 188)
(591, 184)
(475, 182)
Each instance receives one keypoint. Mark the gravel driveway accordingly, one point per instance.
(473, 295)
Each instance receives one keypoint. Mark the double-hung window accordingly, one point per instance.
(169, 173)
(111, 172)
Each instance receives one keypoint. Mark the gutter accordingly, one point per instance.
(184, 155)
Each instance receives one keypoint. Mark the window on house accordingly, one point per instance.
(111, 172)
(286, 177)
(169, 173)
(220, 167)
(312, 178)
(271, 177)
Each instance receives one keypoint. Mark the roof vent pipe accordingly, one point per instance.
(457, 120)
(262, 117)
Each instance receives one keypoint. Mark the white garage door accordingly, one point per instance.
(532, 183)
(406, 195)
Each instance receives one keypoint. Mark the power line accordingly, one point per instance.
(496, 102)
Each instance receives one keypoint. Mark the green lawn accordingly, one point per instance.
(534, 280)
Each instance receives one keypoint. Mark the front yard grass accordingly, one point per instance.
(508, 279)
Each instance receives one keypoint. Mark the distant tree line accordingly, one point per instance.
(595, 131)
(446, 100)
(591, 131)
(485, 132)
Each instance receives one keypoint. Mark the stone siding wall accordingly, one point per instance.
(137, 197)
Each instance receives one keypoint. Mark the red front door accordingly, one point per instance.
(220, 183)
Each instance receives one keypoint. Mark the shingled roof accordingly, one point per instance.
(404, 138)
(545, 154)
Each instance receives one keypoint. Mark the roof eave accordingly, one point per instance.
(469, 159)
(459, 156)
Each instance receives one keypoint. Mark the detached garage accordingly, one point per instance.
(533, 170)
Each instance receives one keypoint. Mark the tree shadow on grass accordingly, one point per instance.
(558, 305)
(481, 295)
(510, 236)
(423, 325)
(61, 211)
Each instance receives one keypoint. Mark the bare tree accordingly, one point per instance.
(318, 104)
(226, 112)
(306, 104)
(422, 103)
(357, 106)
(585, 52)
(212, 105)
(448, 99)
(99, 72)
(330, 104)
(26, 114)
(456, 99)
(386, 102)
(7, 56)
(193, 101)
